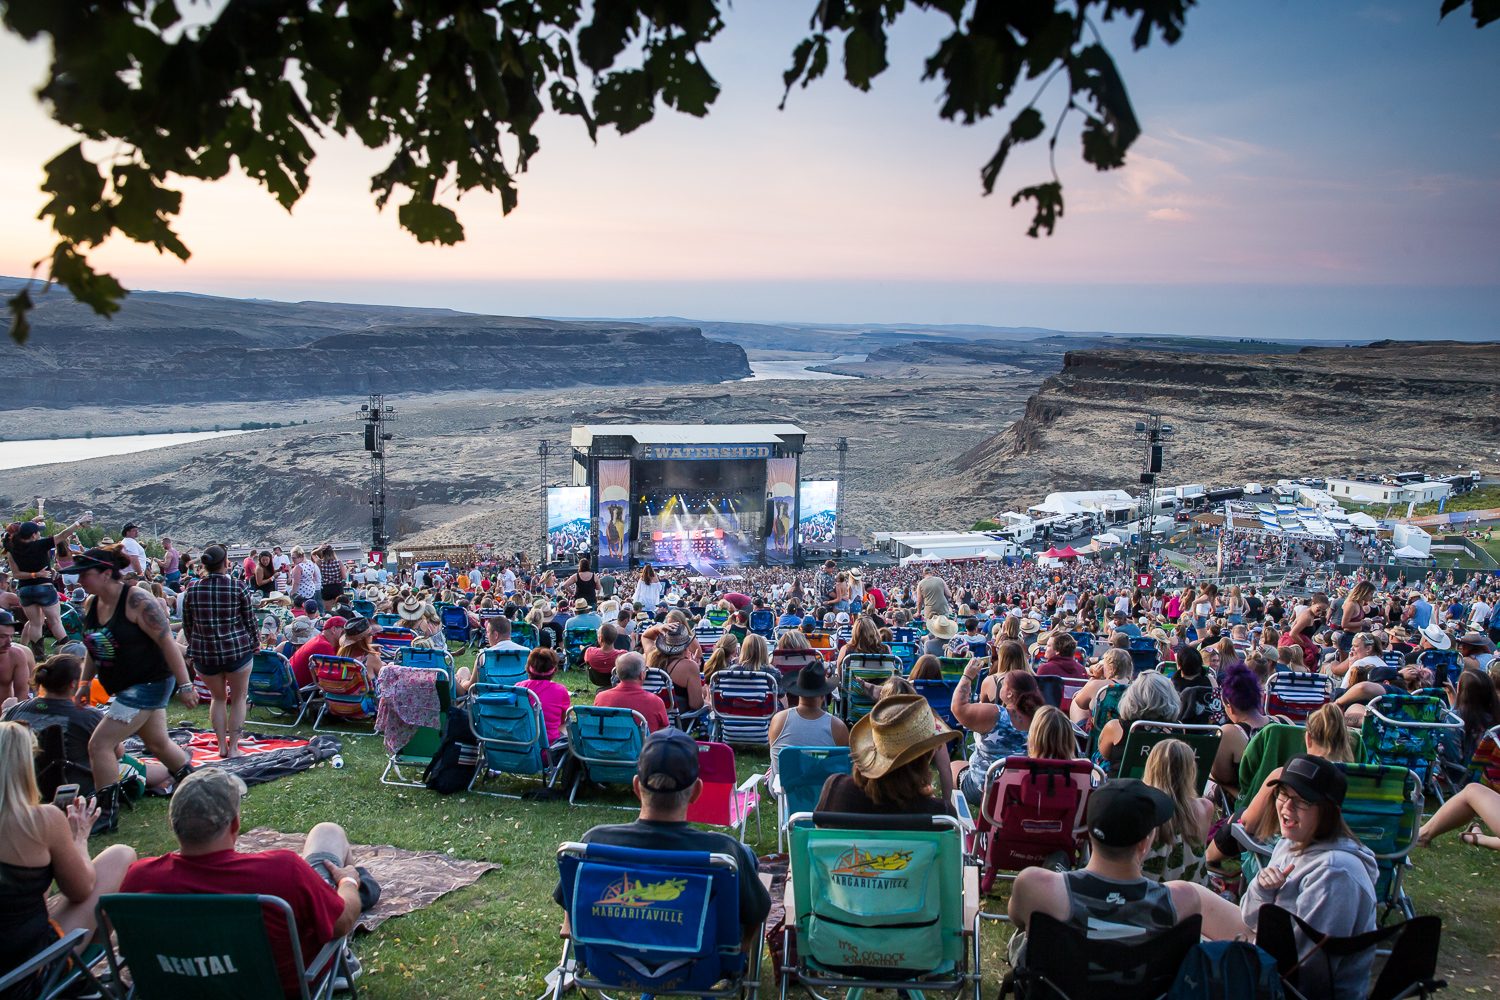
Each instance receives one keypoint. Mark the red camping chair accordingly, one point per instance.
(724, 803)
(347, 695)
(1032, 810)
(1297, 695)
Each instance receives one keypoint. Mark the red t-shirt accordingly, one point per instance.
(630, 694)
(1062, 667)
(319, 646)
(877, 596)
(740, 601)
(601, 661)
(315, 904)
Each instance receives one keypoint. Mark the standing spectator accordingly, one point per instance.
(171, 564)
(220, 629)
(30, 557)
(933, 594)
(130, 543)
(331, 571)
(307, 581)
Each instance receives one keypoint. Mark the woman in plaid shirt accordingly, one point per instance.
(220, 629)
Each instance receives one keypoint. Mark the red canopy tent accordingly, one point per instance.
(1052, 553)
(1068, 552)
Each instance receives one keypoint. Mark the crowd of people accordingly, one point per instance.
(147, 630)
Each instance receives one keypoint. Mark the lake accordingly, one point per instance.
(50, 451)
(797, 370)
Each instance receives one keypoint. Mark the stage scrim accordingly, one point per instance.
(819, 500)
(706, 495)
(567, 519)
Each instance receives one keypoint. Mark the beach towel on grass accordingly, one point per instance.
(408, 699)
(266, 757)
(409, 880)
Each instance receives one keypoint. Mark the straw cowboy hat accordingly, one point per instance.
(897, 731)
(1030, 626)
(411, 608)
(581, 604)
(277, 597)
(942, 627)
(855, 574)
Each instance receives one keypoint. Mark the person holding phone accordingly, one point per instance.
(40, 845)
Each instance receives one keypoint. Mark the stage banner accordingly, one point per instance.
(819, 510)
(567, 519)
(614, 514)
(781, 509)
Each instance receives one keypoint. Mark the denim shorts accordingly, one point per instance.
(38, 594)
(150, 696)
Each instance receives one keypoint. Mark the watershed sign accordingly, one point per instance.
(701, 452)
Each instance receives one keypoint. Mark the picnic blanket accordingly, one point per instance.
(266, 757)
(408, 699)
(409, 880)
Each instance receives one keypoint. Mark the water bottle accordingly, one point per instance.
(337, 761)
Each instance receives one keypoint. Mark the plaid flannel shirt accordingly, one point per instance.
(218, 621)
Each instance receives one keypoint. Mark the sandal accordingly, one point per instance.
(1471, 835)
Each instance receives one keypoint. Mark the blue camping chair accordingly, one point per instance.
(501, 666)
(1394, 658)
(1406, 730)
(576, 641)
(939, 695)
(456, 625)
(387, 618)
(1144, 654)
(363, 608)
(662, 923)
(606, 742)
(906, 652)
(274, 688)
(798, 782)
(1445, 664)
(511, 731)
(763, 622)
(436, 659)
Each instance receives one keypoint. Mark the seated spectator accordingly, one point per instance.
(667, 782)
(627, 692)
(807, 724)
(1364, 652)
(1000, 730)
(1123, 624)
(1190, 672)
(1110, 897)
(1115, 668)
(891, 753)
(755, 655)
(1319, 872)
(793, 640)
(1242, 697)
(791, 617)
(325, 643)
(726, 651)
(669, 647)
(1150, 696)
(358, 643)
(541, 664)
(1467, 806)
(497, 633)
(40, 844)
(600, 659)
(1289, 659)
(1005, 655)
(299, 633)
(1051, 736)
(1179, 849)
(321, 885)
(1060, 661)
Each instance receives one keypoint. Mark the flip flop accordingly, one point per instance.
(1471, 835)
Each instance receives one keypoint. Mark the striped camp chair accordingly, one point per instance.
(742, 703)
(347, 695)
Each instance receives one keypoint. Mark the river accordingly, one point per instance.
(798, 370)
(50, 451)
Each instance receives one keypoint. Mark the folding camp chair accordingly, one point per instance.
(1112, 970)
(879, 902)
(392, 639)
(1445, 664)
(1383, 808)
(456, 626)
(423, 744)
(347, 695)
(906, 634)
(1085, 642)
(1105, 709)
(725, 801)
(1145, 734)
(1051, 687)
(1404, 730)
(210, 946)
(857, 670)
(952, 666)
(906, 652)
(387, 618)
(365, 609)
(524, 634)
(435, 659)
(606, 742)
(511, 731)
(575, 641)
(1484, 765)
(716, 617)
(1144, 654)
(56, 970)
(939, 695)
(500, 666)
(660, 923)
(763, 622)
(274, 688)
(1407, 972)
(797, 782)
(1394, 658)
(741, 705)
(790, 661)
(1032, 811)
(657, 681)
(72, 623)
(822, 642)
(1295, 696)
(1070, 687)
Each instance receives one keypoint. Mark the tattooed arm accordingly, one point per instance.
(147, 612)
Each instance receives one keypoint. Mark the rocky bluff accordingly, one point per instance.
(175, 348)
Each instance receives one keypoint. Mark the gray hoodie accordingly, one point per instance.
(1332, 887)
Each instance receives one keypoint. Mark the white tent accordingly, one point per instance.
(920, 559)
(1407, 552)
(1108, 538)
(1362, 520)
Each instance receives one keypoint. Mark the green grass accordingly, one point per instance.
(1479, 498)
(498, 937)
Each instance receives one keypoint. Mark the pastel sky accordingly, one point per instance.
(1307, 169)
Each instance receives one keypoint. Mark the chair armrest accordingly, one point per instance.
(43, 958)
(965, 815)
(750, 782)
(324, 956)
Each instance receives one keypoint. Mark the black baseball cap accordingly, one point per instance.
(7, 620)
(668, 761)
(1314, 779)
(1125, 811)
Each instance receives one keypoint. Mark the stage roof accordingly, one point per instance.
(583, 436)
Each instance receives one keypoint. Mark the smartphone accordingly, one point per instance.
(65, 796)
(1440, 674)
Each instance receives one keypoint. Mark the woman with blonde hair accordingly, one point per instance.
(754, 654)
(1179, 849)
(1051, 736)
(726, 650)
(1007, 656)
(40, 844)
(1115, 668)
(1150, 697)
(793, 640)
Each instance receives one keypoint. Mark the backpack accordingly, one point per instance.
(452, 768)
(1227, 970)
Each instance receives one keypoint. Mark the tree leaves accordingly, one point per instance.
(430, 222)
(1484, 11)
(1049, 205)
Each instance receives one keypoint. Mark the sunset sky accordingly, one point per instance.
(1327, 169)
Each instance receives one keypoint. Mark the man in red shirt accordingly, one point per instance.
(628, 693)
(321, 886)
(600, 659)
(1060, 661)
(325, 643)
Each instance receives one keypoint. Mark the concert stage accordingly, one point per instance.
(701, 495)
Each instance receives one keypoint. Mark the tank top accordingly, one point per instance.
(1110, 909)
(1175, 860)
(799, 732)
(24, 927)
(586, 589)
(124, 655)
